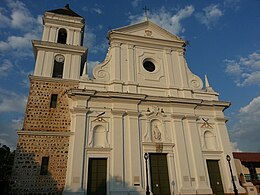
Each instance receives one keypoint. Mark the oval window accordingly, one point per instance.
(149, 66)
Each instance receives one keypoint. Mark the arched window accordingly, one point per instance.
(62, 36)
(58, 66)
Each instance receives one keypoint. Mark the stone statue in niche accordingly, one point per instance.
(157, 135)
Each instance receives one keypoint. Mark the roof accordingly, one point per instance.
(147, 25)
(65, 11)
(247, 156)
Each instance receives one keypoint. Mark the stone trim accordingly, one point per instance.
(47, 133)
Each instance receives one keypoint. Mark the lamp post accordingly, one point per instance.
(233, 182)
(147, 186)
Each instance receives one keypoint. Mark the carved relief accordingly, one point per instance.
(157, 135)
(206, 124)
(194, 81)
(101, 71)
(156, 130)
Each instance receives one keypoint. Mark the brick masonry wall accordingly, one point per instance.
(31, 147)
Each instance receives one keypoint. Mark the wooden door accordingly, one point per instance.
(215, 177)
(97, 176)
(159, 174)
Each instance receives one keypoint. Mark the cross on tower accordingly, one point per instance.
(145, 13)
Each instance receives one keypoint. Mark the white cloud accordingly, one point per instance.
(12, 102)
(210, 15)
(97, 10)
(91, 65)
(246, 130)
(165, 18)
(233, 4)
(245, 70)
(135, 3)
(4, 46)
(19, 17)
(28, 28)
(4, 20)
(9, 136)
(90, 42)
(234, 146)
(5, 67)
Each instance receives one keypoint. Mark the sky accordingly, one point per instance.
(223, 37)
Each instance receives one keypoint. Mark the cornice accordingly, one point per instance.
(146, 98)
(64, 23)
(58, 47)
(54, 80)
(137, 40)
(45, 133)
(80, 110)
(221, 119)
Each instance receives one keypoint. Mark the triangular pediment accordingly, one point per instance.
(148, 29)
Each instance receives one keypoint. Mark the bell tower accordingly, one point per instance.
(43, 142)
(60, 53)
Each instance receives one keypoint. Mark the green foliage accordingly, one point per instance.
(6, 164)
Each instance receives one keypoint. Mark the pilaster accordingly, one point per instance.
(118, 160)
(195, 158)
(75, 168)
(132, 144)
(183, 167)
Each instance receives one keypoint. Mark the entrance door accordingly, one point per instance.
(215, 177)
(97, 174)
(159, 174)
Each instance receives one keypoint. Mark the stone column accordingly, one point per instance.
(116, 67)
(195, 158)
(117, 161)
(39, 63)
(183, 167)
(132, 148)
(75, 167)
(46, 33)
(222, 133)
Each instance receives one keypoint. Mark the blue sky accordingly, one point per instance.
(224, 44)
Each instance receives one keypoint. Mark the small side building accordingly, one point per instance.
(248, 170)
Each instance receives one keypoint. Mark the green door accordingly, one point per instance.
(215, 177)
(159, 174)
(97, 176)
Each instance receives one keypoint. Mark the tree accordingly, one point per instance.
(6, 164)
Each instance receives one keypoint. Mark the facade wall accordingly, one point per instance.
(43, 135)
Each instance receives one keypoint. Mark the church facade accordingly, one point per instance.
(90, 136)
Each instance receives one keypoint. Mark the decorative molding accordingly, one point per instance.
(46, 133)
(206, 124)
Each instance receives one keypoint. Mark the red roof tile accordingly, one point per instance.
(247, 156)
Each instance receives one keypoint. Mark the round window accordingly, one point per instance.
(149, 66)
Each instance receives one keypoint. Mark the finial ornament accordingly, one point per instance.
(207, 85)
(145, 13)
(85, 72)
(67, 6)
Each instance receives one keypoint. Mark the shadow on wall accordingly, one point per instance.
(30, 175)
(114, 186)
